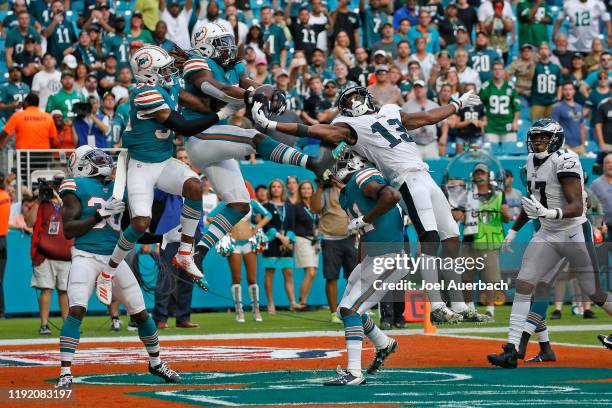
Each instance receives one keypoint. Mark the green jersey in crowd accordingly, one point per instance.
(534, 33)
(64, 101)
(546, 80)
(500, 104)
(373, 21)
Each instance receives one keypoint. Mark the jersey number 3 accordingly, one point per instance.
(400, 130)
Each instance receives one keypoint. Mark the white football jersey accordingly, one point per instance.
(383, 140)
(543, 183)
(584, 22)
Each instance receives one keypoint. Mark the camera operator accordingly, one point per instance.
(50, 250)
(88, 125)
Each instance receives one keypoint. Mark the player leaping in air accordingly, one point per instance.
(149, 139)
(213, 72)
(381, 136)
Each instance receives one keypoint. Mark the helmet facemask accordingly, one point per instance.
(546, 128)
(94, 163)
(166, 75)
(355, 102)
(225, 49)
(346, 166)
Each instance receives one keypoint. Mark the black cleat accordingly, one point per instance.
(556, 315)
(385, 325)
(606, 341)
(400, 324)
(166, 373)
(64, 381)
(507, 359)
(543, 357)
(345, 378)
(522, 351)
(381, 356)
(589, 314)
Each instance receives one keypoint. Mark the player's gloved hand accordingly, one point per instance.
(534, 209)
(174, 235)
(248, 96)
(228, 110)
(466, 100)
(506, 245)
(356, 224)
(111, 207)
(259, 116)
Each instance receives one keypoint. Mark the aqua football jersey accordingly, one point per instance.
(146, 139)
(92, 193)
(386, 229)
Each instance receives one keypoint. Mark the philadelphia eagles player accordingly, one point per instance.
(556, 184)
(381, 136)
(92, 218)
(212, 71)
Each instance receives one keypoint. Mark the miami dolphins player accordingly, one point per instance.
(371, 202)
(212, 71)
(149, 139)
(92, 218)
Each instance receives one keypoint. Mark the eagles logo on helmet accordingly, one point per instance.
(537, 134)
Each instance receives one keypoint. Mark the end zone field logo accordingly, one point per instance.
(137, 354)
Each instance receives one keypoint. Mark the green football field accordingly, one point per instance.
(570, 329)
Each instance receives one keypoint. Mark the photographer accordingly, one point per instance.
(50, 250)
(88, 126)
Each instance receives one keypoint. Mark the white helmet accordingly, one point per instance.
(153, 65)
(213, 41)
(347, 165)
(87, 161)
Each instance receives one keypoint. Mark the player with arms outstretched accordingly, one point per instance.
(92, 218)
(213, 72)
(558, 201)
(149, 139)
(381, 136)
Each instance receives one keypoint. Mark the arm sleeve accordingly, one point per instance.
(185, 127)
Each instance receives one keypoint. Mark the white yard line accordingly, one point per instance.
(604, 328)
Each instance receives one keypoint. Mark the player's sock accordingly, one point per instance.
(376, 336)
(65, 370)
(542, 334)
(278, 152)
(69, 338)
(429, 273)
(126, 243)
(536, 316)
(518, 315)
(237, 296)
(147, 331)
(190, 217)
(222, 224)
(353, 334)
(254, 295)
(490, 309)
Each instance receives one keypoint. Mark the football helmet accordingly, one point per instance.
(356, 101)
(547, 128)
(87, 161)
(347, 165)
(153, 65)
(214, 41)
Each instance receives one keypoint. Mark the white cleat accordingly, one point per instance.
(184, 260)
(104, 288)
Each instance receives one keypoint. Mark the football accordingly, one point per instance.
(273, 99)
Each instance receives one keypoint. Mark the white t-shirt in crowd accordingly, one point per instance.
(46, 84)
(178, 28)
(485, 11)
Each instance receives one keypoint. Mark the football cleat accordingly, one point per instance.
(507, 359)
(44, 330)
(104, 288)
(344, 377)
(444, 315)
(166, 373)
(542, 357)
(240, 316)
(606, 340)
(64, 381)
(116, 325)
(257, 315)
(472, 316)
(335, 319)
(381, 355)
(184, 260)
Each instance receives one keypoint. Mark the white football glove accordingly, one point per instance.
(174, 235)
(356, 224)
(506, 245)
(260, 117)
(228, 110)
(111, 207)
(466, 100)
(534, 209)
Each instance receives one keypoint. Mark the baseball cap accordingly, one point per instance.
(137, 14)
(260, 59)
(381, 52)
(481, 167)
(67, 72)
(462, 27)
(527, 46)
(281, 73)
(94, 27)
(14, 66)
(418, 82)
(577, 55)
(70, 61)
(327, 81)
(381, 68)
(29, 38)
(444, 52)
(56, 112)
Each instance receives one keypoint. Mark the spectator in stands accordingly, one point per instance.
(304, 33)
(469, 124)
(341, 74)
(29, 60)
(50, 251)
(545, 84)
(65, 138)
(10, 21)
(563, 54)
(123, 84)
(462, 41)
(342, 52)
(466, 74)
(408, 12)
(448, 25)
(425, 59)
(33, 129)
(403, 56)
(342, 19)
(502, 106)
(99, 14)
(435, 9)
(584, 19)
(327, 112)
(396, 78)
(426, 137)
(117, 43)
(513, 196)
(261, 70)
(337, 245)
(5, 212)
(600, 92)
(15, 38)
(177, 21)
(534, 17)
(261, 194)
(113, 120)
(523, 69)
(89, 128)
(468, 15)
(293, 186)
(362, 70)
(576, 76)
(274, 39)
(96, 40)
(439, 71)
(372, 18)
(605, 65)
(383, 90)
(65, 99)
(106, 76)
(91, 87)
(13, 93)
(424, 29)
(159, 36)
(602, 189)
(386, 43)
(59, 33)
(602, 120)
(593, 60)
(571, 118)
(138, 30)
(150, 12)
(80, 75)
(414, 71)
(317, 67)
(496, 28)
(69, 63)
(211, 16)
(488, 9)
(482, 57)
(281, 238)
(239, 28)
(307, 244)
(315, 103)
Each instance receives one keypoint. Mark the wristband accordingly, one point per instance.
(302, 130)
(456, 104)
(272, 125)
